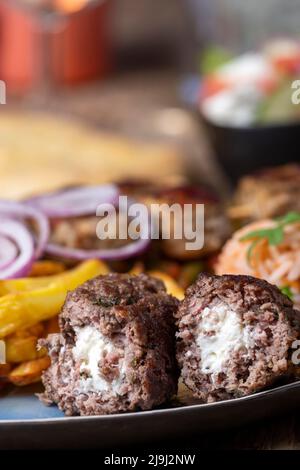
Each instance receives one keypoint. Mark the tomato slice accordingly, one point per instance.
(287, 64)
(212, 85)
(268, 84)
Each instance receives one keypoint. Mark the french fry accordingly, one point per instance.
(23, 349)
(37, 330)
(172, 287)
(29, 372)
(25, 309)
(46, 268)
(16, 286)
(4, 371)
(137, 268)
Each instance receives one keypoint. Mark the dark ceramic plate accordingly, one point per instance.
(26, 423)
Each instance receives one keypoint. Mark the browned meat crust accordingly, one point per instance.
(137, 316)
(261, 308)
(268, 193)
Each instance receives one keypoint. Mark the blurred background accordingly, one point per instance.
(122, 80)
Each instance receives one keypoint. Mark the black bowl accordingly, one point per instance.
(243, 150)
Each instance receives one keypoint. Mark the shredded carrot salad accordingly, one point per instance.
(278, 264)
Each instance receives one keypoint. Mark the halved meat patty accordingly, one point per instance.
(116, 349)
(235, 336)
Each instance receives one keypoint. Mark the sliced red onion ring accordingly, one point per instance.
(21, 211)
(21, 236)
(125, 252)
(75, 202)
(8, 252)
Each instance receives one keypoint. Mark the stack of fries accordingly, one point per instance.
(29, 309)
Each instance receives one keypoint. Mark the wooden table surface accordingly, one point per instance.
(143, 105)
(277, 433)
(122, 105)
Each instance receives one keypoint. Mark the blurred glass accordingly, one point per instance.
(241, 25)
(48, 42)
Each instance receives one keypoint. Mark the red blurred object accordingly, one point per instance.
(81, 51)
(214, 84)
(268, 85)
(62, 48)
(288, 65)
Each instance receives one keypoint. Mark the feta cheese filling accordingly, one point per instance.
(221, 333)
(91, 347)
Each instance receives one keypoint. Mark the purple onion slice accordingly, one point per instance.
(20, 235)
(75, 202)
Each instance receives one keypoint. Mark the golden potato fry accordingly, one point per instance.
(4, 370)
(37, 330)
(15, 286)
(29, 372)
(138, 268)
(52, 326)
(172, 287)
(46, 268)
(23, 349)
(26, 308)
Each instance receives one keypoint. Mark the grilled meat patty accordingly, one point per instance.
(235, 336)
(116, 349)
(80, 232)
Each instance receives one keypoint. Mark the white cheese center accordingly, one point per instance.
(90, 348)
(220, 333)
(237, 104)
